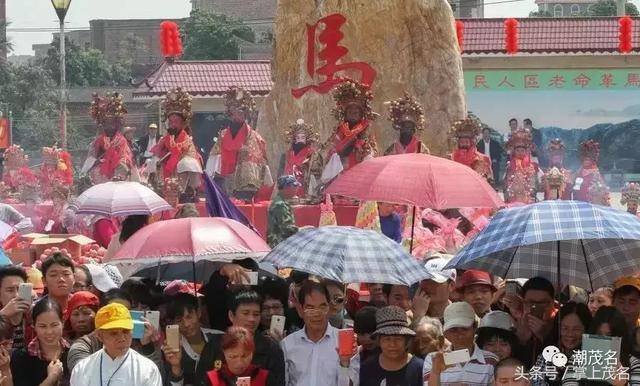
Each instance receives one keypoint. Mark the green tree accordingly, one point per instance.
(5, 44)
(210, 36)
(540, 14)
(609, 8)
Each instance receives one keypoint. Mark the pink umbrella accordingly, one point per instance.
(191, 240)
(416, 179)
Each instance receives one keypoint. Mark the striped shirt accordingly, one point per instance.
(478, 371)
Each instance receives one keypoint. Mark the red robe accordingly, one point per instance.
(477, 161)
(176, 149)
(364, 144)
(589, 176)
(298, 165)
(114, 152)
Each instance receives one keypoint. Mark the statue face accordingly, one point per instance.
(300, 137)
(464, 143)
(176, 121)
(632, 207)
(112, 125)
(520, 152)
(353, 114)
(407, 127)
(237, 115)
(557, 159)
(588, 163)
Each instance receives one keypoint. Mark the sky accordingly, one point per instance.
(39, 14)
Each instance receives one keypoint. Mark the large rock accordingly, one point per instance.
(410, 43)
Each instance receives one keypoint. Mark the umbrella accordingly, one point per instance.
(120, 198)
(184, 271)
(4, 259)
(219, 204)
(348, 255)
(416, 179)
(191, 240)
(566, 242)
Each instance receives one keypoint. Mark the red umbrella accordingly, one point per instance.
(416, 179)
(191, 240)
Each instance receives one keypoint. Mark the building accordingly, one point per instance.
(565, 8)
(467, 9)
(81, 38)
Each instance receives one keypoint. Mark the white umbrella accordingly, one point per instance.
(120, 198)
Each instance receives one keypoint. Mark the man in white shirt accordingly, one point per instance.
(310, 354)
(116, 363)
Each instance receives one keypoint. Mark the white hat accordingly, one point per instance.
(498, 319)
(100, 278)
(435, 269)
(459, 314)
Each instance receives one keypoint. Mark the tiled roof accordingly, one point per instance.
(548, 35)
(208, 78)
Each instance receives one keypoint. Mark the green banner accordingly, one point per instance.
(536, 80)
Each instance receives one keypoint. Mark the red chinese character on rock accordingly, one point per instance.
(606, 80)
(505, 82)
(557, 81)
(330, 55)
(531, 81)
(480, 81)
(581, 80)
(633, 80)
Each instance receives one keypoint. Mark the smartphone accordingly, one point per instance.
(173, 336)
(455, 357)
(253, 278)
(537, 311)
(277, 324)
(346, 339)
(25, 292)
(154, 318)
(138, 324)
(243, 381)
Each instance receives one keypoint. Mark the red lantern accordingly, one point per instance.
(170, 41)
(625, 36)
(511, 36)
(460, 33)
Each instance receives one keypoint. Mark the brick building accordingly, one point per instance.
(565, 8)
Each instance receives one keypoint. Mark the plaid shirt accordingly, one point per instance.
(34, 347)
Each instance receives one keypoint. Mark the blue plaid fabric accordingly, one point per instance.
(348, 255)
(589, 246)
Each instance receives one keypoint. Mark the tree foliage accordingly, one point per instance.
(211, 36)
(609, 8)
(5, 43)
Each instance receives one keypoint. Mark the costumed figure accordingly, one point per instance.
(302, 159)
(16, 167)
(56, 170)
(353, 140)
(407, 117)
(238, 160)
(631, 197)
(589, 174)
(110, 157)
(178, 155)
(282, 222)
(599, 193)
(465, 132)
(521, 182)
(58, 220)
(557, 180)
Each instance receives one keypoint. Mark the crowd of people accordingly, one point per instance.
(79, 328)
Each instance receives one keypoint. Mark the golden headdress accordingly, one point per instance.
(406, 109)
(110, 106)
(555, 178)
(470, 127)
(14, 157)
(301, 126)
(630, 193)
(239, 99)
(353, 92)
(590, 149)
(51, 155)
(520, 138)
(555, 146)
(177, 102)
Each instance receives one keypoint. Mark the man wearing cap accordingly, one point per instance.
(394, 366)
(282, 222)
(477, 289)
(460, 324)
(116, 363)
(626, 298)
(438, 285)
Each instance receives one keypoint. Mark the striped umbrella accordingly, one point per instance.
(120, 198)
(566, 242)
(348, 255)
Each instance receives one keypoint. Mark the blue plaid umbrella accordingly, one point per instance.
(348, 255)
(566, 242)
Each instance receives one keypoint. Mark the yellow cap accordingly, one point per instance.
(627, 281)
(113, 316)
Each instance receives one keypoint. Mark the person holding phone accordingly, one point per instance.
(43, 362)
(471, 364)
(14, 309)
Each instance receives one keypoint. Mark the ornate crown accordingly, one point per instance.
(520, 138)
(470, 127)
(15, 157)
(301, 126)
(555, 178)
(630, 193)
(555, 146)
(51, 155)
(599, 193)
(110, 106)
(521, 186)
(406, 109)
(590, 149)
(353, 92)
(178, 102)
(239, 99)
